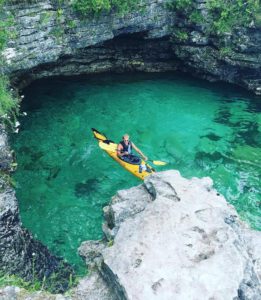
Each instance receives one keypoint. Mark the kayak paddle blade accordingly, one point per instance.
(159, 163)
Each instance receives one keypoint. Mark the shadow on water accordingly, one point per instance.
(83, 189)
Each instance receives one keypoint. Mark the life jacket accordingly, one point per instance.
(126, 148)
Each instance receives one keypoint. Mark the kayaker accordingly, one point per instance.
(124, 149)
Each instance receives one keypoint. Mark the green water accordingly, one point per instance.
(64, 179)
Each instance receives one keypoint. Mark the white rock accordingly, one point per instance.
(195, 248)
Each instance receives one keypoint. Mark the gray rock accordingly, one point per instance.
(124, 206)
(16, 293)
(194, 248)
(93, 287)
(91, 251)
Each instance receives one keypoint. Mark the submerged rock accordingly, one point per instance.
(83, 189)
(176, 238)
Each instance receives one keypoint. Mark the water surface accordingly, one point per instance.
(64, 179)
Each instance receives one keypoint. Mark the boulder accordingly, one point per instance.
(184, 242)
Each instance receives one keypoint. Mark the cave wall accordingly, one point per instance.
(51, 40)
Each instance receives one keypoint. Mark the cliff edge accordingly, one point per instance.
(175, 238)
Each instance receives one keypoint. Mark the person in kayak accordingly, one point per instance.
(124, 150)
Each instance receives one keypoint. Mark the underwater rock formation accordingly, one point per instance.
(20, 253)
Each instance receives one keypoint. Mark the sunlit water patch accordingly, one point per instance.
(64, 179)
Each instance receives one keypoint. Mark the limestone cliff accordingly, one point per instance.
(51, 39)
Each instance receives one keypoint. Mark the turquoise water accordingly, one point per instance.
(64, 179)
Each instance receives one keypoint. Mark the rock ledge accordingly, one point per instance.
(176, 238)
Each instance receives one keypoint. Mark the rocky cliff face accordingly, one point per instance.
(20, 254)
(48, 44)
(175, 238)
(51, 40)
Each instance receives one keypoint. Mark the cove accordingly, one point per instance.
(63, 179)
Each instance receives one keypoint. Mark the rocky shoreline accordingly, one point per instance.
(175, 238)
(169, 238)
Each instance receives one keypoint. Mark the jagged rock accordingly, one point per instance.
(91, 251)
(93, 287)
(187, 243)
(124, 204)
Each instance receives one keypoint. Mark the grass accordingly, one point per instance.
(8, 102)
(13, 280)
(45, 284)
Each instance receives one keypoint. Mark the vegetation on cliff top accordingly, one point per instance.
(87, 7)
(221, 16)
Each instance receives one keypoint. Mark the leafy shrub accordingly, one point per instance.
(8, 103)
(13, 280)
(5, 22)
(223, 15)
(229, 14)
(95, 7)
(180, 35)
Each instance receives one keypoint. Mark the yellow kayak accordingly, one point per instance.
(138, 168)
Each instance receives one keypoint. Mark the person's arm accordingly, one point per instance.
(119, 149)
(139, 151)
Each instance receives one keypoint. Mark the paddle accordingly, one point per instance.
(113, 148)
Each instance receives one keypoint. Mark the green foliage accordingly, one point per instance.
(95, 7)
(72, 24)
(225, 51)
(5, 32)
(47, 284)
(196, 17)
(182, 4)
(45, 17)
(8, 103)
(258, 18)
(57, 32)
(59, 14)
(223, 15)
(14, 280)
(110, 243)
(180, 35)
(228, 14)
